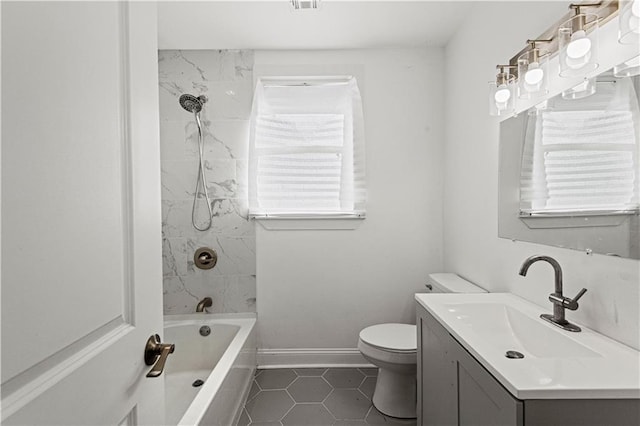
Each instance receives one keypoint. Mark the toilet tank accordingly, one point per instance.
(451, 283)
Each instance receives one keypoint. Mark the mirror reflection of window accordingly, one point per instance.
(581, 156)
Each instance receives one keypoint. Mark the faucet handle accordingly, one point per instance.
(157, 352)
(573, 303)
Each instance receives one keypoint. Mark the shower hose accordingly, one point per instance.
(201, 181)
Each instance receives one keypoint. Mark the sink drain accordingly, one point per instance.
(514, 355)
(205, 330)
(197, 383)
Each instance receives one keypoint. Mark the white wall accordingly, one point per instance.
(318, 289)
(471, 246)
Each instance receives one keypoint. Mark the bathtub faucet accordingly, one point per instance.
(204, 303)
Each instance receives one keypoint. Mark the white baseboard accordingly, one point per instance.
(311, 358)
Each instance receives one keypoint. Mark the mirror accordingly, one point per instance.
(569, 170)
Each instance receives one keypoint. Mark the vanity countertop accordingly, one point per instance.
(557, 364)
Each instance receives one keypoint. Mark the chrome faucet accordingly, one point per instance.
(204, 303)
(560, 302)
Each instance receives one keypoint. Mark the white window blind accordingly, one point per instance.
(582, 155)
(306, 149)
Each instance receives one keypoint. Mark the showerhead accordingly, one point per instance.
(191, 103)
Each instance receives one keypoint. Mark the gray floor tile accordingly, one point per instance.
(375, 417)
(368, 386)
(276, 379)
(308, 415)
(309, 389)
(269, 406)
(253, 391)
(244, 419)
(349, 378)
(369, 371)
(303, 372)
(348, 404)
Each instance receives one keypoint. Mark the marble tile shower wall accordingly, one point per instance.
(226, 78)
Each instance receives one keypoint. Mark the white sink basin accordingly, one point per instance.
(556, 363)
(505, 326)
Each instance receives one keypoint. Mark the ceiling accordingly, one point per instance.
(336, 25)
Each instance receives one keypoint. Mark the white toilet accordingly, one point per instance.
(393, 349)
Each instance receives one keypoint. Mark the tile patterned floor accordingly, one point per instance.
(315, 397)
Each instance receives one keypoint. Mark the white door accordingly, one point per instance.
(81, 242)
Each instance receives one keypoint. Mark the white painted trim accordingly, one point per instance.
(309, 223)
(1, 402)
(127, 166)
(311, 358)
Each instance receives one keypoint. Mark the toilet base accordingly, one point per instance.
(395, 394)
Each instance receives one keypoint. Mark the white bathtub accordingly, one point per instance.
(225, 360)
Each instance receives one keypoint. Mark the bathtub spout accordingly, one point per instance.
(204, 303)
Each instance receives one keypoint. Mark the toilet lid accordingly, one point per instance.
(395, 337)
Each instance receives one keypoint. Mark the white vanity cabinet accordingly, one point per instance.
(455, 389)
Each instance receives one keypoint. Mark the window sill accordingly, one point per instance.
(309, 222)
(576, 219)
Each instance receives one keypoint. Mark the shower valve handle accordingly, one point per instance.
(155, 350)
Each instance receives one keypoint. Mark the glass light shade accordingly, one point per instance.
(582, 90)
(628, 68)
(629, 22)
(578, 50)
(532, 72)
(502, 97)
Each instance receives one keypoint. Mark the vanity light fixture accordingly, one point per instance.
(502, 92)
(305, 4)
(629, 22)
(574, 38)
(578, 42)
(532, 71)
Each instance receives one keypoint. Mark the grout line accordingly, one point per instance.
(290, 396)
(328, 395)
(294, 380)
(247, 412)
(368, 411)
(290, 408)
(327, 382)
(366, 396)
(335, 419)
(258, 385)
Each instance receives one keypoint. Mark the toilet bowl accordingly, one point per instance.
(393, 349)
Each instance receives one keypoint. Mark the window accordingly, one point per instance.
(581, 156)
(306, 149)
